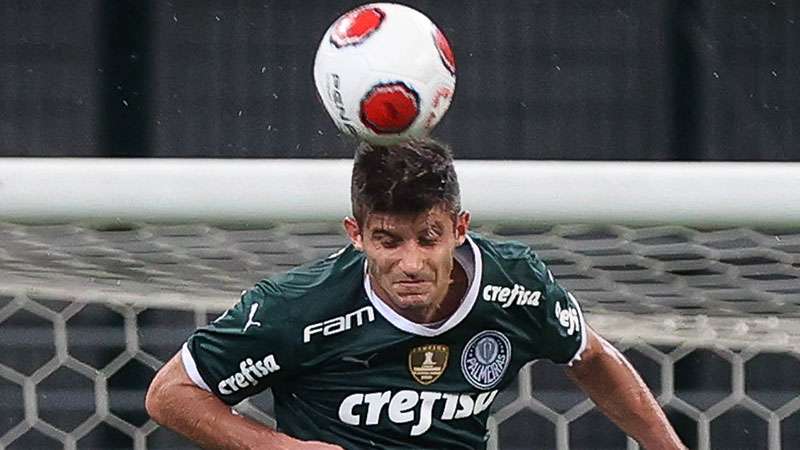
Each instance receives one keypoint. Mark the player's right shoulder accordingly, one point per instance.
(320, 275)
(263, 339)
(312, 290)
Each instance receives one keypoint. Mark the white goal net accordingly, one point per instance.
(709, 314)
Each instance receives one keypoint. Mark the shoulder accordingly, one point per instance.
(511, 257)
(500, 249)
(517, 281)
(333, 272)
(315, 287)
(278, 309)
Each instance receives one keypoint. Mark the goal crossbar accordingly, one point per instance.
(261, 191)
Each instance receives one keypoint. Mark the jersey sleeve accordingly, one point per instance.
(563, 329)
(245, 350)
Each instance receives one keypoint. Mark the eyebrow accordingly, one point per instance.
(435, 230)
(383, 231)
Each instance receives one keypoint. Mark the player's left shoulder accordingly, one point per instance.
(512, 259)
(509, 281)
(513, 276)
(500, 249)
(518, 287)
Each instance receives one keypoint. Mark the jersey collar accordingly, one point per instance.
(419, 329)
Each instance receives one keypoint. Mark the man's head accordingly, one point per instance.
(404, 179)
(408, 222)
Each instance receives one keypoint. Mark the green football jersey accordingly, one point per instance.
(345, 368)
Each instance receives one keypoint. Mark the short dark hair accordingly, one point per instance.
(407, 178)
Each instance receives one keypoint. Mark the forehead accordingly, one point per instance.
(434, 218)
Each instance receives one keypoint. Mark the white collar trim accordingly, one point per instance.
(416, 328)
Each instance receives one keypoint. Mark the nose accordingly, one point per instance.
(411, 260)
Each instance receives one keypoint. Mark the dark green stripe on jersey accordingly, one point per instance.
(342, 373)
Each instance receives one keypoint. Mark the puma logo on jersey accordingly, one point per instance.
(250, 321)
(409, 406)
(518, 295)
(339, 324)
(248, 375)
(364, 362)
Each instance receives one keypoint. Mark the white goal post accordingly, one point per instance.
(181, 190)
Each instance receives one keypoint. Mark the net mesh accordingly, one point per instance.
(710, 318)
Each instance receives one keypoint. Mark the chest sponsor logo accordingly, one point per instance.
(506, 296)
(485, 359)
(409, 406)
(568, 316)
(248, 375)
(339, 324)
(427, 362)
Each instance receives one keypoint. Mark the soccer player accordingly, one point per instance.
(402, 339)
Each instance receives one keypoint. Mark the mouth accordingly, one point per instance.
(412, 283)
(412, 287)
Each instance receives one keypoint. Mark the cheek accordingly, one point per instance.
(381, 264)
(444, 263)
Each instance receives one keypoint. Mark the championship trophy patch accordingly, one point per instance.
(427, 362)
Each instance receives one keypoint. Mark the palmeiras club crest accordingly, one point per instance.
(427, 362)
(356, 26)
(485, 359)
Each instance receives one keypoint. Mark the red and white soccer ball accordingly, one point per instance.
(385, 73)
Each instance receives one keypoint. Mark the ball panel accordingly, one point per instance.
(445, 52)
(389, 108)
(338, 87)
(439, 105)
(356, 26)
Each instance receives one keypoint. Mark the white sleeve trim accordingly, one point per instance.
(584, 334)
(191, 368)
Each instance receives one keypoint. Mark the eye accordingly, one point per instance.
(428, 241)
(388, 243)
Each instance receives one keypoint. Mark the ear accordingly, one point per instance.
(462, 226)
(354, 233)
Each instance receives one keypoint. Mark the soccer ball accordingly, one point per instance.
(385, 73)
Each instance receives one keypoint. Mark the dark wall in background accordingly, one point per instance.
(49, 78)
(654, 80)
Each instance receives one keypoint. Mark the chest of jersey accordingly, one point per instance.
(368, 373)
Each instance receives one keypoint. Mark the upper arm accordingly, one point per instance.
(248, 349)
(562, 331)
(597, 351)
(172, 374)
(595, 347)
(170, 382)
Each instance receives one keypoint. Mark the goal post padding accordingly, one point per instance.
(253, 191)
